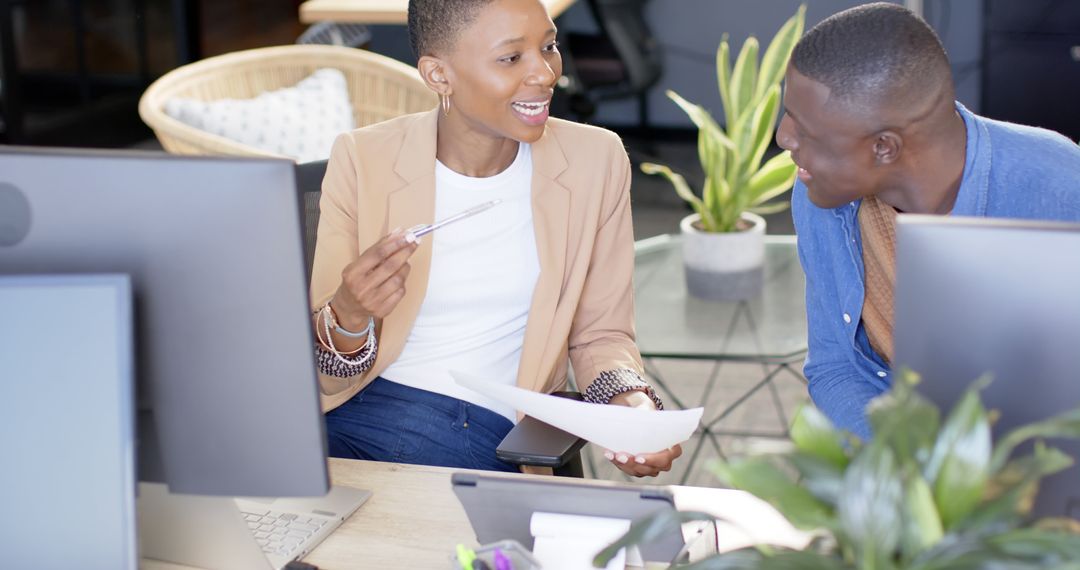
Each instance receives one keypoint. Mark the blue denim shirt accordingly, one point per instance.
(1010, 171)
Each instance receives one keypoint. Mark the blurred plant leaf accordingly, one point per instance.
(763, 478)
(813, 434)
(649, 530)
(768, 209)
(904, 420)
(870, 509)
(958, 465)
(763, 124)
(1033, 544)
(775, 61)
(773, 179)
(1061, 425)
(1010, 493)
(922, 525)
(723, 77)
(744, 79)
(824, 479)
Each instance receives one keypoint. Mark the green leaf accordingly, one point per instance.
(743, 559)
(750, 559)
(768, 209)
(1010, 493)
(773, 179)
(767, 481)
(824, 479)
(813, 434)
(870, 509)
(701, 118)
(1051, 548)
(922, 524)
(958, 465)
(775, 61)
(904, 420)
(744, 79)
(1062, 425)
(723, 77)
(649, 530)
(763, 123)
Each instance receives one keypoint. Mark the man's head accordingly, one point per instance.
(864, 87)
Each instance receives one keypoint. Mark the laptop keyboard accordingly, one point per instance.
(282, 533)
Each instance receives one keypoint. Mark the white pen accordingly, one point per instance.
(416, 232)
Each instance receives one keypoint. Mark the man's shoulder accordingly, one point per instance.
(1031, 147)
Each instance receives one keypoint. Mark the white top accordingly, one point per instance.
(483, 272)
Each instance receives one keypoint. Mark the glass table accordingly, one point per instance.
(769, 330)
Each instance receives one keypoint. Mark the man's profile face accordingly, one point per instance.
(833, 149)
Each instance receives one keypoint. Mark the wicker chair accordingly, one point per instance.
(380, 88)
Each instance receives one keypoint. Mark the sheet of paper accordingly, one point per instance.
(618, 428)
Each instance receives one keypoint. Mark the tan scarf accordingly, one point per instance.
(877, 222)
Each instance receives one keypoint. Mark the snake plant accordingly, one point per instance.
(735, 179)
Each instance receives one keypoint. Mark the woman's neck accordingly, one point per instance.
(472, 153)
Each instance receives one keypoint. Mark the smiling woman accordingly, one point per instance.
(510, 294)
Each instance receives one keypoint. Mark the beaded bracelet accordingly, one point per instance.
(328, 318)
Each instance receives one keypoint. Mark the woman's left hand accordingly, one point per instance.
(642, 464)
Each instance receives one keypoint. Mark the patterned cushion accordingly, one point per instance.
(300, 121)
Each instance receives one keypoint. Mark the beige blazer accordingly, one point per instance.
(382, 177)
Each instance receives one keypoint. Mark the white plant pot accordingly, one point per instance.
(724, 266)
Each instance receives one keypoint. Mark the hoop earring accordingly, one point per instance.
(444, 100)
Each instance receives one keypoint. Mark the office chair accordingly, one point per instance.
(309, 177)
(623, 60)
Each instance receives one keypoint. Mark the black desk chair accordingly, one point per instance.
(531, 442)
(624, 60)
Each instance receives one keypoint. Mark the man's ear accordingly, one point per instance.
(887, 147)
(434, 73)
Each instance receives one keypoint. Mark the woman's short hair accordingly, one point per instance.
(434, 25)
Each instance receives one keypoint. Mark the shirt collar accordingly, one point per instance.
(972, 197)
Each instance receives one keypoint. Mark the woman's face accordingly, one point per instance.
(503, 69)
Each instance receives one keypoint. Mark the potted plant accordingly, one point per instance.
(723, 241)
(921, 495)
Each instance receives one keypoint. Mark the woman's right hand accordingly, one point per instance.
(374, 284)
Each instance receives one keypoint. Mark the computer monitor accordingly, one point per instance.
(978, 295)
(225, 367)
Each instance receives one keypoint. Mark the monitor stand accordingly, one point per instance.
(195, 530)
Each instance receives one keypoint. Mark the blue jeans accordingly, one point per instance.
(391, 422)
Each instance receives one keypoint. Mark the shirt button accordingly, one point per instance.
(882, 373)
(847, 318)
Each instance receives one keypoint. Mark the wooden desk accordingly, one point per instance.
(414, 520)
(380, 11)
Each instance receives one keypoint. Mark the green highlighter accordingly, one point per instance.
(465, 557)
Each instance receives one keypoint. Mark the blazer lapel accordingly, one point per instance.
(411, 204)
(551, 220)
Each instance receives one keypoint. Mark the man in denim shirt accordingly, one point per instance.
(872, 122)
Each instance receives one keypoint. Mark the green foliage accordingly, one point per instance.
(735, 179)
(922, 495)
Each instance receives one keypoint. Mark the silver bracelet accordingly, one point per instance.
(331, 317)
(367, 330)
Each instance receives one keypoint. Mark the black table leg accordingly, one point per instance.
(187, 16)
(9, 74)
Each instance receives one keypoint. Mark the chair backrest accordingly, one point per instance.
(380, 88)
(625, 25)
(309, 177)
